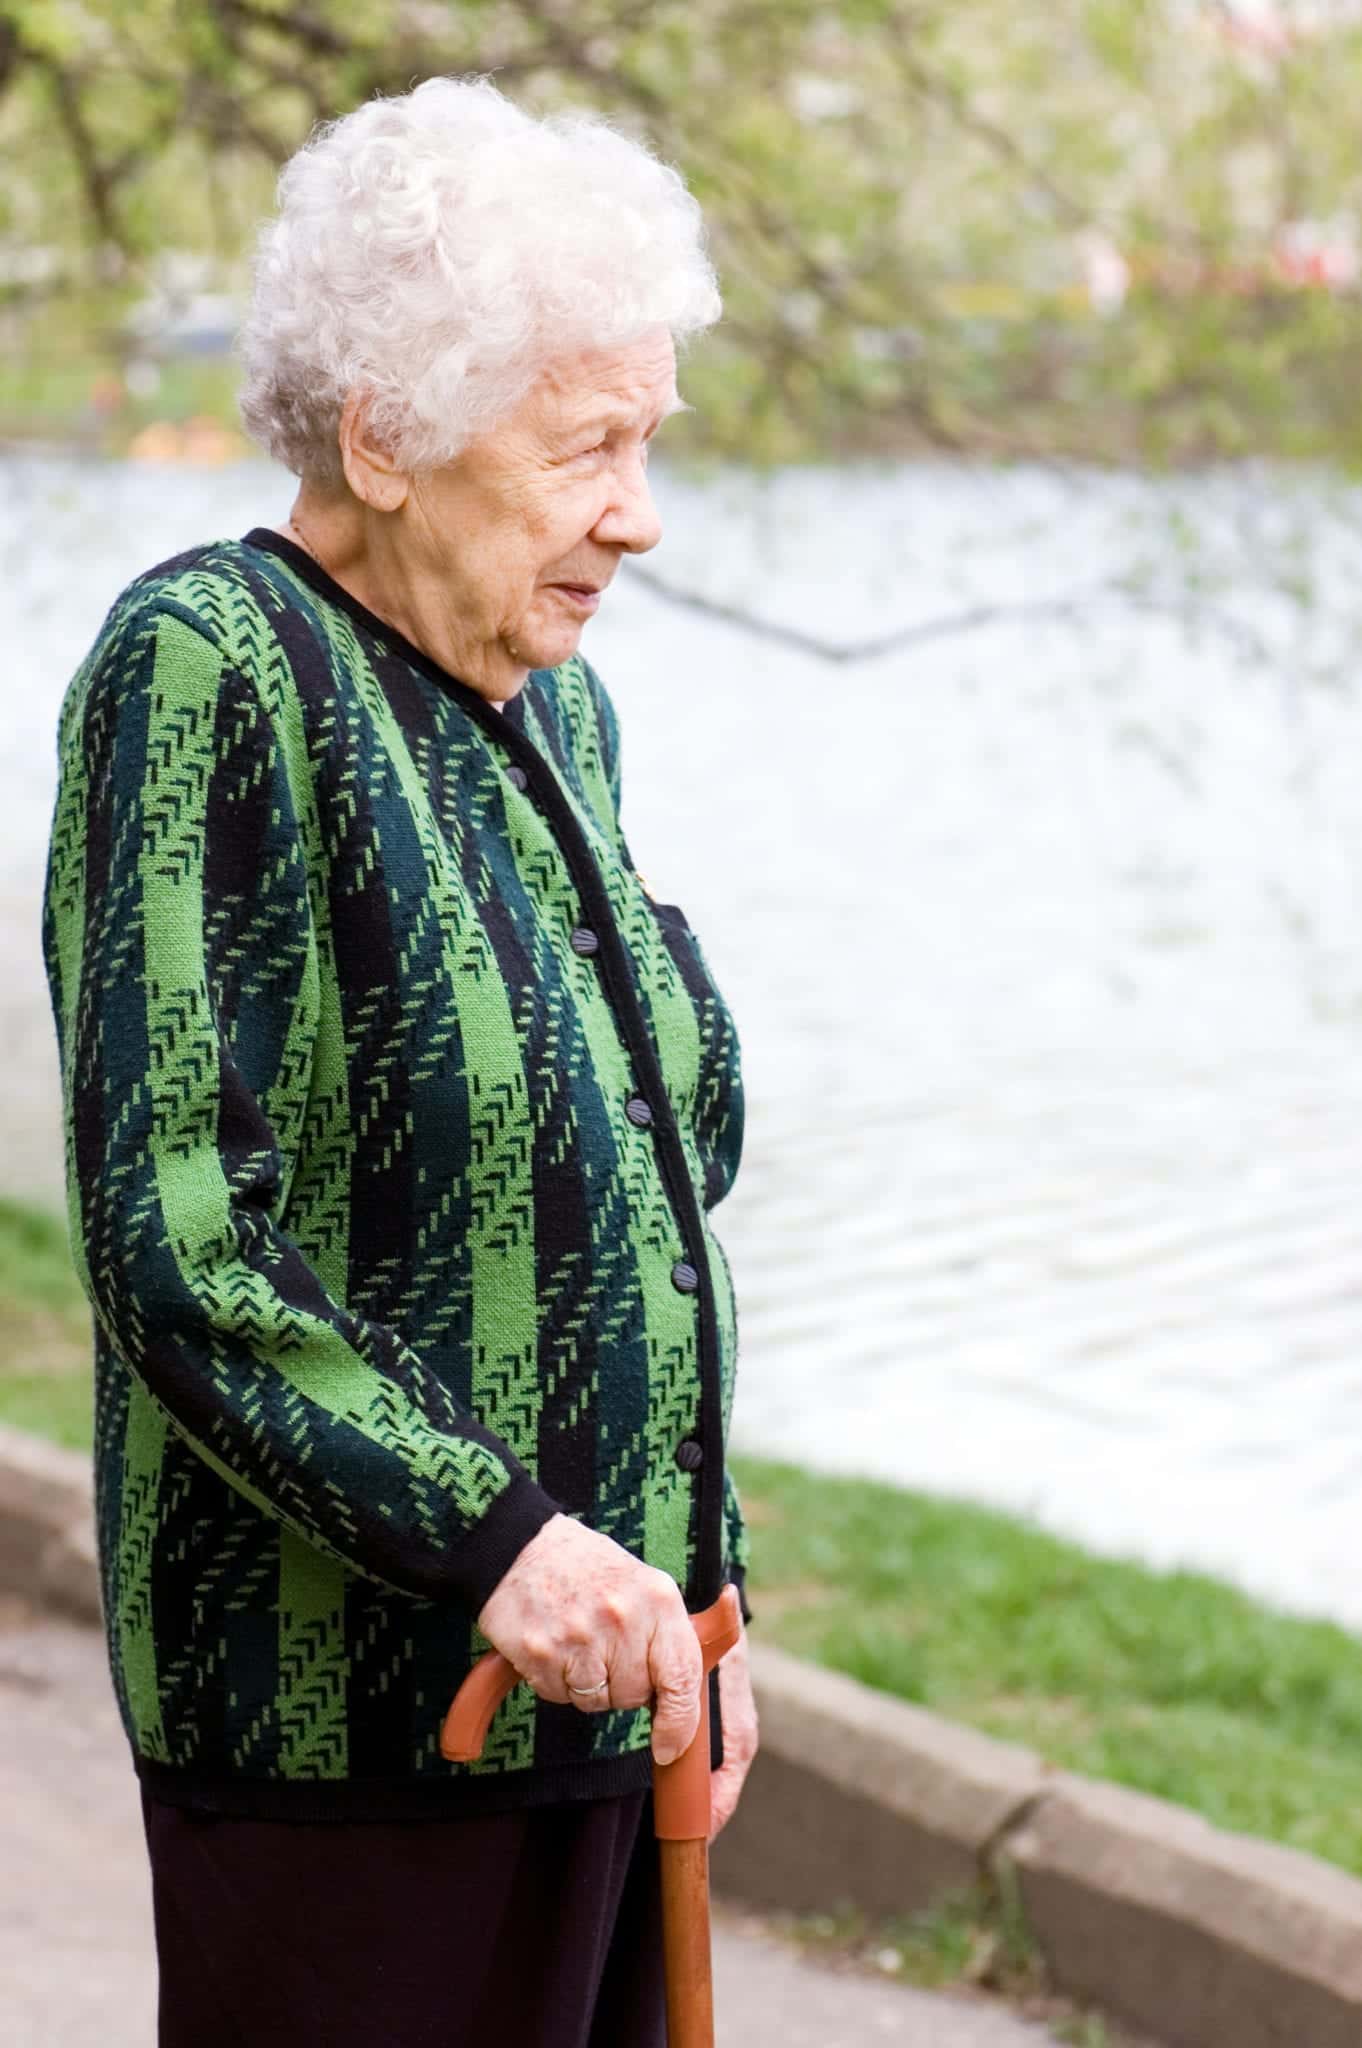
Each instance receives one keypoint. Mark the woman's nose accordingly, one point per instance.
(630, 517)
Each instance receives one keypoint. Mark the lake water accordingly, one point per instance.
(1043, 931)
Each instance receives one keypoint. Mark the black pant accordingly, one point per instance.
(537, 1929)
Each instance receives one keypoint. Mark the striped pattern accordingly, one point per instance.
(381, 1271)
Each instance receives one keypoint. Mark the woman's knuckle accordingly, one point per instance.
(576, 1627)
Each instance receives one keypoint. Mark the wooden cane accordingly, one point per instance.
(680, 1816)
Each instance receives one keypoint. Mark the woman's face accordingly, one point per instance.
(554, 496)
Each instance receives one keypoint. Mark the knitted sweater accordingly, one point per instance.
(395, 1107)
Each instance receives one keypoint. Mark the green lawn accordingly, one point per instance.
(44, 1329)
(1167, 1681)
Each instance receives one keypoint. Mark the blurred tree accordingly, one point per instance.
(1121, 228)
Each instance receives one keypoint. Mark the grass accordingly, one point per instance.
(1170, 1682)
(44, 1330)
(965, 1937)
(975, 1939)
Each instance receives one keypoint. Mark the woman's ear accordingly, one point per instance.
(369, 468)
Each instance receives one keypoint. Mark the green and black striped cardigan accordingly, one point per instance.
(395, 1107)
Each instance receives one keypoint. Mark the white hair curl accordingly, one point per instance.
(436, 250)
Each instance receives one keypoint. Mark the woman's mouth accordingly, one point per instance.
(587, 600)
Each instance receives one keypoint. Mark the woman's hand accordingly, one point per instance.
(739, 1711)
(576, 1607)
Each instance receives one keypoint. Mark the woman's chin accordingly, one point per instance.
(554, 642)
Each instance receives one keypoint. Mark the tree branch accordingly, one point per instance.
(96, 177)
(949, 625)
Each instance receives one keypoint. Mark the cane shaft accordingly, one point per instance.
(681, 1804)
(686, 1944)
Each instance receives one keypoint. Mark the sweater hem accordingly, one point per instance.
(391, 1799)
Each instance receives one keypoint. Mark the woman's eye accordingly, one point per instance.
(600, 448)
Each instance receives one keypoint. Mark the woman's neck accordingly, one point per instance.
(326, 543)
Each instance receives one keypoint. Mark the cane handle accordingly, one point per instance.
(680, 1789)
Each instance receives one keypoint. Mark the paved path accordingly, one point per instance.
(76, 1947)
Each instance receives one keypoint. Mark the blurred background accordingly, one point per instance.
(992, 704)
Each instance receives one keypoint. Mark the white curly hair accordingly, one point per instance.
(435, 250)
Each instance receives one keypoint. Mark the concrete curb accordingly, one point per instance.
(858, 1796)
(1192, 1934)
(1195, 1935)
(1203, 1936)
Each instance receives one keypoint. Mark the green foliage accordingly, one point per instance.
(901, 199)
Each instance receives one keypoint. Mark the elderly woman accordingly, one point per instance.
(396, 1107)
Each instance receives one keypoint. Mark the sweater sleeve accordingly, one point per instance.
(182, 956)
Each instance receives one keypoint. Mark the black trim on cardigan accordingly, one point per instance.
(613, 961)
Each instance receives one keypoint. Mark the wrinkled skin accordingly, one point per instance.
(465, 560)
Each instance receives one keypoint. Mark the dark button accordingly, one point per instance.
(638, 1111)
(685, 1276)
(690, 1456)
(516, 774)
(583, 939)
